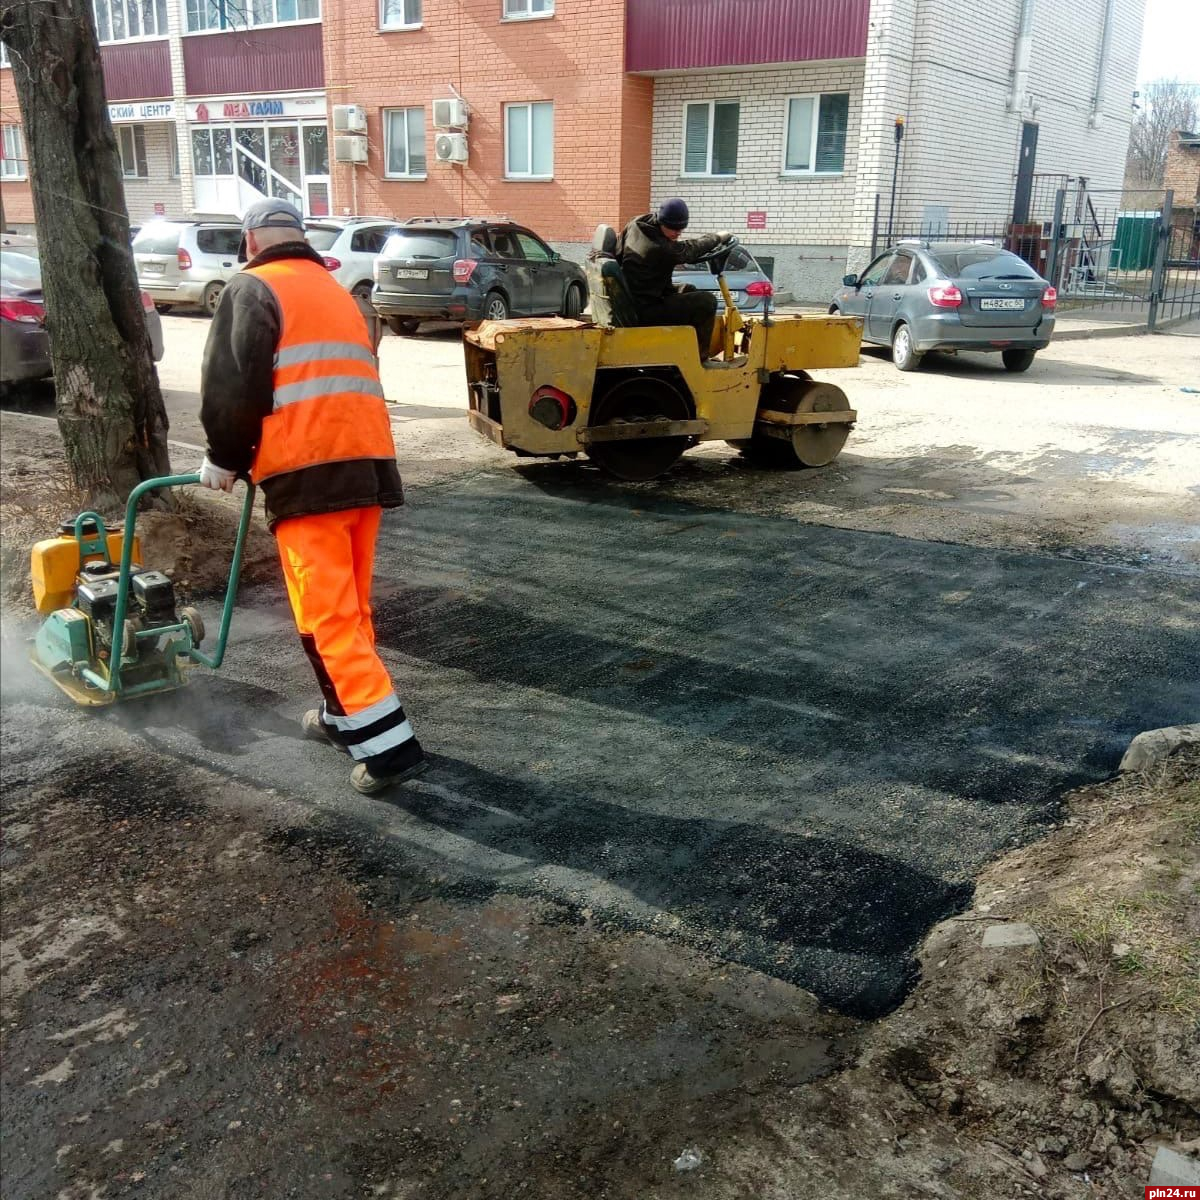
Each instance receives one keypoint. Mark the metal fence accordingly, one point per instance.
(1122, 256)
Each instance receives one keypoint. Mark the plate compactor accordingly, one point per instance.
(112, 630)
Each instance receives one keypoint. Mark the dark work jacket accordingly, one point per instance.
(237, 391)
(648, 258)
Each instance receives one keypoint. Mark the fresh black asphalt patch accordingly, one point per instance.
(789, 745)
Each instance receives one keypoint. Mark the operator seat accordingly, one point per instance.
(612, 305)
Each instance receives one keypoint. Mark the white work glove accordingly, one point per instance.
(725, 235)
(217, 478)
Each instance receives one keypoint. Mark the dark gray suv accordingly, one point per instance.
(471, 269)
(924, 296)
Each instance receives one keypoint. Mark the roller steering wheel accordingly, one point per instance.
(718, 257)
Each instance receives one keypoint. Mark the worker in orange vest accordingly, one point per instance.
(290, 392)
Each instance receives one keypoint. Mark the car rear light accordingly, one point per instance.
(147, 301)
(331, 263)
(464, 268)
(184, 259)
(1050, 297)
(26, 311)
(760, 287)
(945, 295)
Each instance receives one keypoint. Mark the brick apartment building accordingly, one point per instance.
(781, 128)
(773, 118)
(557, 135)
(208, 113)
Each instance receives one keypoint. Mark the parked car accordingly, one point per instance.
(923, 296)
(741, 272)
(24, 342)
(187, 262)
(349, 247)
(471, 269)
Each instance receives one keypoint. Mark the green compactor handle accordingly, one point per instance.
(113, 682)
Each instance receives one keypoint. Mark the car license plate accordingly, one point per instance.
(409, 273)
(1007, 304)
(153, 268)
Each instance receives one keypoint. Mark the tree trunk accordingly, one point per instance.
(110, 408)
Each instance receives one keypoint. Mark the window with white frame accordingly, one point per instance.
(519, 10)
(12, 153)
(815, 138)
(208, 15)
(124, 20)
(404, 134)
(399, 14)
(529, 141)
(4, 62)
(710, 137)
(173, 150)
(132, 141)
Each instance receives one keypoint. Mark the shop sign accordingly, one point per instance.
(256, 108)
(142, 110)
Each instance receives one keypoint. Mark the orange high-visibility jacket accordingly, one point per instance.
(328, 404)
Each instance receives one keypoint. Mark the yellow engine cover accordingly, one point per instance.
(55, 563)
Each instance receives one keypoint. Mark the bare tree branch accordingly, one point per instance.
(1165, 106)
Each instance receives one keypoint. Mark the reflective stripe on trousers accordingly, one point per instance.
(328, 560)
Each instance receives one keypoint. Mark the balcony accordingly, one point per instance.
(136, 70)
(679, 35)
(283, 58)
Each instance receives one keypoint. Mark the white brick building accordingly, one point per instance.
(966, 82)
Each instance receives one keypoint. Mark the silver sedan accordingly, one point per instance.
(923, 296)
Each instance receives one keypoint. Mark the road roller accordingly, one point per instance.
(634, 398)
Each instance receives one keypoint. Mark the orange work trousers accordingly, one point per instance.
(328, 561)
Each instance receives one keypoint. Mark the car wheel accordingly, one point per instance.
(403, 326)
(904, 354)
(162, 308)
(495, 307)
(212, 294)
(574, 302)
(1017, 360)
(834, 311)
(362, 291)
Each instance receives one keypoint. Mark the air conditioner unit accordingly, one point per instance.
(451, 147)
(349, 118)
(350, 149)
(449, 114)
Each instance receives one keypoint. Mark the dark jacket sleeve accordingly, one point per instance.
(237, 375)
(690, 249)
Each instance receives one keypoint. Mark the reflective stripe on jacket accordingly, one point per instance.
(327, 404)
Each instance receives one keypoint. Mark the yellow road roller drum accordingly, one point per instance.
(635, 398)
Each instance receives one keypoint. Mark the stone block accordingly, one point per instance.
(1013, 934)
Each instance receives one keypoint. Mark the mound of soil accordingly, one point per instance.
(192, 542)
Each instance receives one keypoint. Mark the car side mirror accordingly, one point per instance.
(850, 281)
(555, 257)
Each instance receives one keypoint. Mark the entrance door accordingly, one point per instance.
(1025, 165)
(314, 139)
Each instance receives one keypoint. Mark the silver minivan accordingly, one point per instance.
(187, 262)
